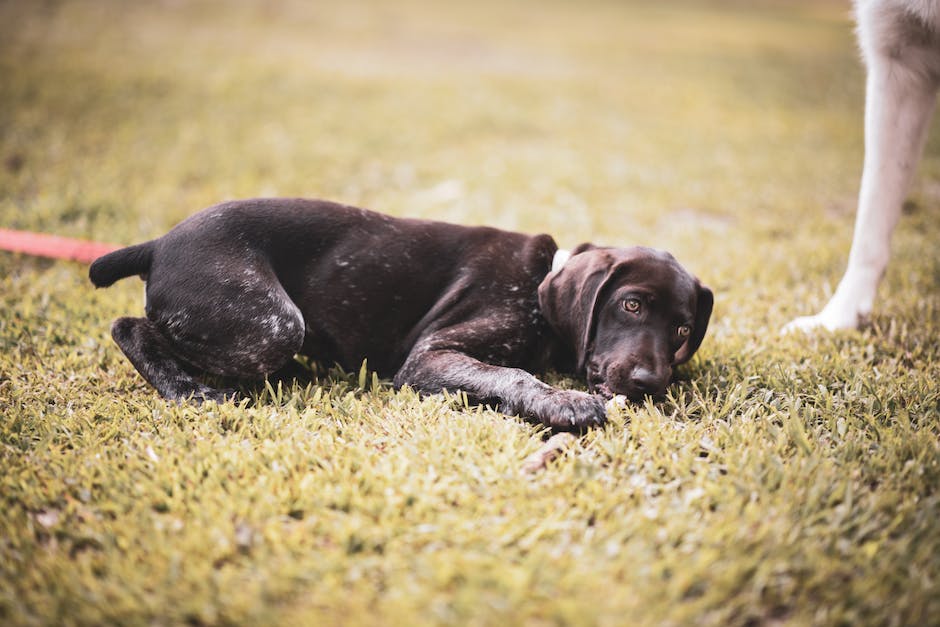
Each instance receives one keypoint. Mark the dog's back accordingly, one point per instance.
(366, 284)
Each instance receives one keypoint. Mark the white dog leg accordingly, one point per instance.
(898, 107)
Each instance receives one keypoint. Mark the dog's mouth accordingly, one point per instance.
(598, 385)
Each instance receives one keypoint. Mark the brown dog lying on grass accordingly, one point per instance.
(240, 288)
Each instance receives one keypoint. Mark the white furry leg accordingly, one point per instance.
(898, 106)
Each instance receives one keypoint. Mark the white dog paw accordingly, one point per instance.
(823, 321)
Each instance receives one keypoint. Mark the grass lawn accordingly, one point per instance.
(786, 480)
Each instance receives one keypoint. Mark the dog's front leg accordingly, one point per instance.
(515, 391)
(899, 101)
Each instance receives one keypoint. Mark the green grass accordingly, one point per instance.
(786, 480)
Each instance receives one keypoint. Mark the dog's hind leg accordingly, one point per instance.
(245, 330)
(153, 357)
(900, 97)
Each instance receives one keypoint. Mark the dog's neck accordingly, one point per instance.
(560, 259)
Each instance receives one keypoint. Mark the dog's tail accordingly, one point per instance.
(122, 263)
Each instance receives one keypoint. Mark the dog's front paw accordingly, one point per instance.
(570, 410)
(825, 321)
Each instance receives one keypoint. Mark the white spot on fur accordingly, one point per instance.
(560, 259)
(273, 324)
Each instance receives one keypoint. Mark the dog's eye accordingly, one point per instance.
(631, 305)
(684, 330)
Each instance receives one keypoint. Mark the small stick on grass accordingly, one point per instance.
(561, 442)
(553, 447)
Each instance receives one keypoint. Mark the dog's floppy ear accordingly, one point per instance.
(568, 296)
(703, 311)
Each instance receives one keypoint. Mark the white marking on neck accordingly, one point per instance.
(561, 258)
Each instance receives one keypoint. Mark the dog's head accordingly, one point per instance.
(630, 314)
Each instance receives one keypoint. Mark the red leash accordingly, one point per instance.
(53, 246)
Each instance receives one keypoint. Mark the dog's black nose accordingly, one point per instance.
(645, 381)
